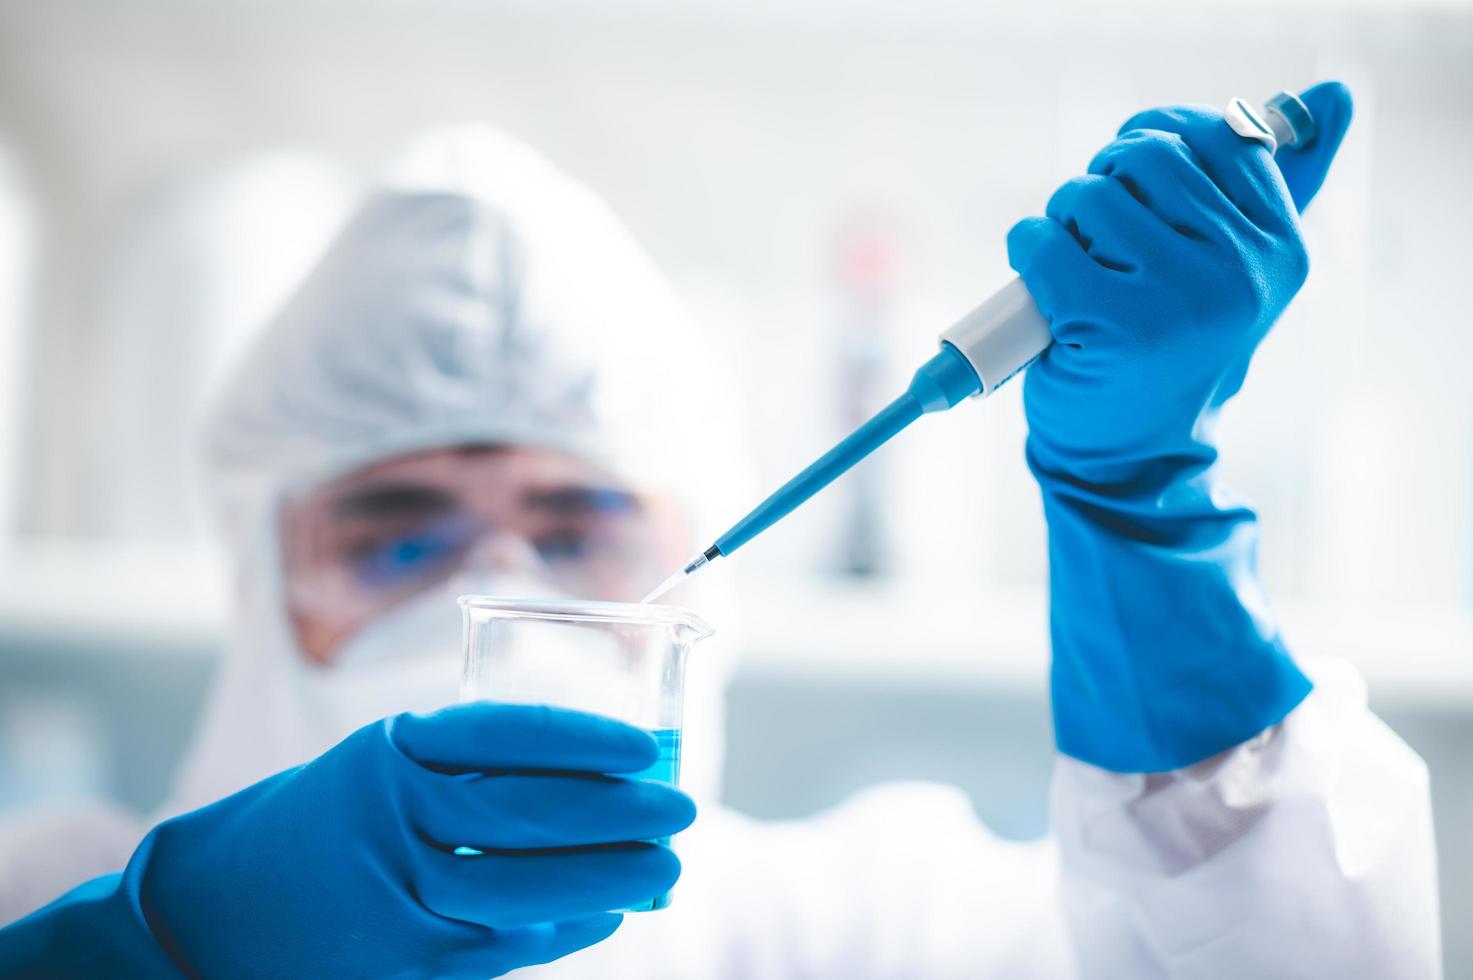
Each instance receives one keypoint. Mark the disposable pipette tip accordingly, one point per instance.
(704, 558)
(664, 587)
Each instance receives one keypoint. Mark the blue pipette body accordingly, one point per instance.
(941, 383)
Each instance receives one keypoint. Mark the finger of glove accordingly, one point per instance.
(1113, 228)
(1241, 167)
(507, 891)
(524, 811)
(486, 736)
(1304, 168)
(490, 954)
(1054, 266)
(1161, 171)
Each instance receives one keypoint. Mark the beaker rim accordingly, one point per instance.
(590, 610)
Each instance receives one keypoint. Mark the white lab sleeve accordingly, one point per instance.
(1307, 852)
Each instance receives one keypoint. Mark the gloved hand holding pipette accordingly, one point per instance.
(1160, 271)
(1145, 290)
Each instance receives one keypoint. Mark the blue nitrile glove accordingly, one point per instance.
(1160, 271)
(344, 866)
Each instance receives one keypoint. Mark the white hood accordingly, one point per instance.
(478, 296)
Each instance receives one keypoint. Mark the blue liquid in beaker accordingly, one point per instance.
(667, 767)
(667, 770)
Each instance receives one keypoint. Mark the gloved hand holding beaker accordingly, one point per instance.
(1160, 271)
(347, 866)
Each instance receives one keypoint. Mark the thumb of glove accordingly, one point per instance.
(1304, 168)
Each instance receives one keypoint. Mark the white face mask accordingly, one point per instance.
(408, 659)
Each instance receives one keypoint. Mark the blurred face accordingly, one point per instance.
(360, 545)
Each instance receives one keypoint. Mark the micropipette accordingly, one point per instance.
(979, 353)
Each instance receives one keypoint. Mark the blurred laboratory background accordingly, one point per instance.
(828, 183)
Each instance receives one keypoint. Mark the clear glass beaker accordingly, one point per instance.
(624, 660)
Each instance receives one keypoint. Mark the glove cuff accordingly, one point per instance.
(95, 930)
(1164, 653)
(1160, 723)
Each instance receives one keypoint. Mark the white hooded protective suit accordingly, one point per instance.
(480, 296)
